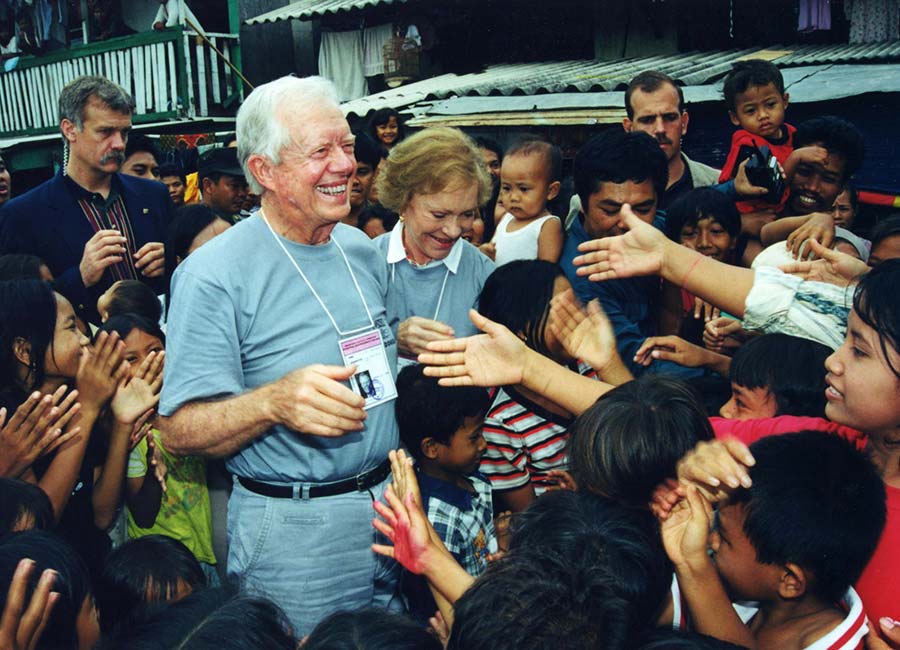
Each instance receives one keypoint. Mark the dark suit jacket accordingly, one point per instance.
(48, 222)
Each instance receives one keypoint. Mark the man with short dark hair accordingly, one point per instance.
(654, 104)
(90, 224)
(141, 157)
(222, 183)
(173, 177)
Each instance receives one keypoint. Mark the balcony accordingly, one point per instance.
(171, 74)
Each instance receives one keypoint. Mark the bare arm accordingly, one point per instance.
(550, 241)
(779, 230)
(309, 400)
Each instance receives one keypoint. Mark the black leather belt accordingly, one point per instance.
(356, 483)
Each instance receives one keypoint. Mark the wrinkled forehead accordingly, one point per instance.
(320, 123)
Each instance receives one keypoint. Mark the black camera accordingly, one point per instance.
(763, 171)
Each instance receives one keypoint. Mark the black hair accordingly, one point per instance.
(228, 138)
(20, 266)
(187, 222)
(649, 82)
(427, 410)
(632, 438)
(752, 72)
(618, 156)
(533, 146)
(486, 142)
(377, 211)
(518, 295)
(123, 324)
(853, 195)
(368, 151)
(140, 142)
(625, 541)
(816, 502)
(171, 169)
(875, 302)
(20, 502)
(537, 599)
(887, 227)
(790, 367)
(27, 311)
(702, 203)
(663, 639)
(143, 571)
(836, 135)
(370, 629)
(381, 117)
(72, 582)
(134, 297)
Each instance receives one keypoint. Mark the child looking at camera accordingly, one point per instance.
(442, 429)
(529, 179)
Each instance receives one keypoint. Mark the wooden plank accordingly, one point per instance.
(17, 101)
(113, 44)
(202, 108)
(229, 80)
(30, 102)
(214, 64)
(148, 75)
(161, 94)
(138, 65)
(4, 110)
(173, 77)
(188, 71)
(43, 99)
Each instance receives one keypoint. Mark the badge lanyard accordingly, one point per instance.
(440, 299)
(312, 289)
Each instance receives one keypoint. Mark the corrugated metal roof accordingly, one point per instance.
(306, 9)
(588, 76)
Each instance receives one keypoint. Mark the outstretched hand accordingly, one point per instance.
(22, 622)
(585, 334)
(685, 531)
(406, 525)
(496, 358)
(640, 251)
(717, 467)
(139, 392)
(833, 267)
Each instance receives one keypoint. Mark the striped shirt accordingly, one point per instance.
(524, 440)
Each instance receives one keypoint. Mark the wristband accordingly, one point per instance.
(691, 270)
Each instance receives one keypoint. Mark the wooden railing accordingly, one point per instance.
(169, 73)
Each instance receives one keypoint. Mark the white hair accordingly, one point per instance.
(260, 127)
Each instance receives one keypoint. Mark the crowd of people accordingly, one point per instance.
(664, 417)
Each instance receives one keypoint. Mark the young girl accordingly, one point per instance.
(387, 128)
(529, 180)
(129, 297)
(526, 432)
(183, 510)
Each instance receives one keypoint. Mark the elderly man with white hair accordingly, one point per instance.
(271, 327)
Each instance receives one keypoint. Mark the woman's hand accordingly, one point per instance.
(496, 358)
(640, 251)
(716, 468)
(100, 371)
(585, 334)
(35, 429)
(671, 348)
(416, 332)
(139, 393)
(833, 267)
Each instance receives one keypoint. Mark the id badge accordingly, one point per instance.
(373, 379)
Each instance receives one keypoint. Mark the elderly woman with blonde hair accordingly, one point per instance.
(436, 181)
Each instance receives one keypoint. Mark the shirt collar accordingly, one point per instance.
(446, 492)
(396, 252)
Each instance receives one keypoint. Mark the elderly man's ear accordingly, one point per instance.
(261, 168)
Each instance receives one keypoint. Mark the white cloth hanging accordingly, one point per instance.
(341, 60)
(374, 39)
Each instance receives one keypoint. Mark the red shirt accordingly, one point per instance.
(781, 149)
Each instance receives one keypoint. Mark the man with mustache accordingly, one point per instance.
(91, 225)
(654, 104)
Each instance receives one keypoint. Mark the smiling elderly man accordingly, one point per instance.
(91, 225)
(268, 323)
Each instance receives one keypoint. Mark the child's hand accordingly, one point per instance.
(685, 532)
(141, 428)
(489, 249)
(665, 496)
(717, 467)
(717, 332)
(813, 155)
(889, 629)
(742, 186)
(403, 475)
(138, 393)
(496, 358)
(561, 480)
(23, 622)
(704, 310)
(155, 462)
(586, 335)
(671, 348)
(100, 370)
(439, 628)
(407, 527)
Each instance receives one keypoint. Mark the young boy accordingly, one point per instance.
(794, 542)
(441, 427)
(754, 93)
(529, 179)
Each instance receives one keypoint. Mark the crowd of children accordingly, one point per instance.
(728, 477)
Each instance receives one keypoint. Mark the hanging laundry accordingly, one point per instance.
(873, 21)
(341, 60)
(374, 39)
(815, 15)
